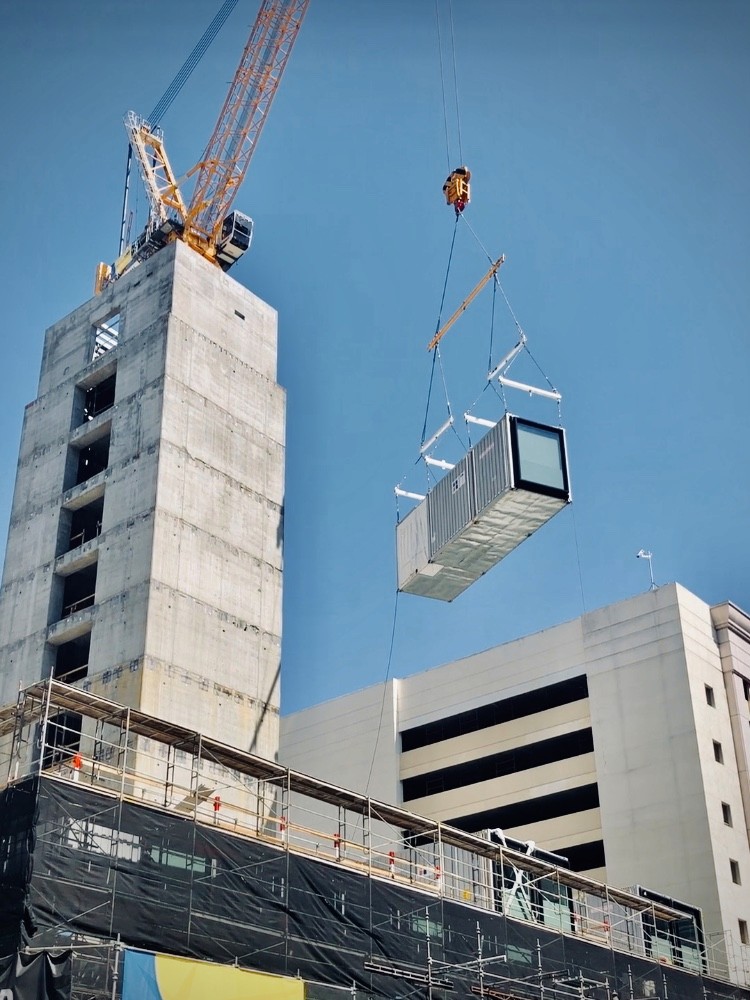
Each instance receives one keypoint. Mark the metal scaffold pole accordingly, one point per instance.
(116, 969)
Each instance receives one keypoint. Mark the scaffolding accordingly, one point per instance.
(237, 859)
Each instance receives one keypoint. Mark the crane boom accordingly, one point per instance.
(206, 224)
(227, 155)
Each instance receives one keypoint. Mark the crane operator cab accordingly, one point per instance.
(456, 188)
(236, 235)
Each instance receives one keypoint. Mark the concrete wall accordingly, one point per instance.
(215, 603)
(187, 616)
(351, 742)
(652, 791)
(30, 597)
(733, 634)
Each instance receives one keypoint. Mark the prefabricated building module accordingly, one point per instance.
(503, 490)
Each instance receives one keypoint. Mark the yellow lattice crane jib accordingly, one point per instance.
(207, 222)
(457, 189)
(227, 155)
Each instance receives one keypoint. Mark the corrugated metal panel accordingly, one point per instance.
(492, 466)
(450, 505)
(412, 544)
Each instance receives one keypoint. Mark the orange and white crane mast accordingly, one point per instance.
(207, 223)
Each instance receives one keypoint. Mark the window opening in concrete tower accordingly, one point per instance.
(99, 397)
(85, 524)
(72, 659)
(106, 335)
(79, 590)
(91, 460)
(63, 738)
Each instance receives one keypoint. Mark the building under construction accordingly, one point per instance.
(143, 817)
(115, 848)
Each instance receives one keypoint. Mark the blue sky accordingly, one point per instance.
(608, 143)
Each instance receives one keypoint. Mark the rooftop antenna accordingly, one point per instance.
(643, 554)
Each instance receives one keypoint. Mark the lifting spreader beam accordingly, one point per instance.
(466, 303)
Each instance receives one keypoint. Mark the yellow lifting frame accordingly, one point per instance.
(466, 303)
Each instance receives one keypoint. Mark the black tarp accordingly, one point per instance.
(18, 810)
(41, 976)
(106, 867)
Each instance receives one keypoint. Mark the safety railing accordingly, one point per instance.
(84, 535)
(79, 605)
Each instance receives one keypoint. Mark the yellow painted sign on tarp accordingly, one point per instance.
(147, 976)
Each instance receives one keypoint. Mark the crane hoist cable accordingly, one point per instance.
(437, 327)
(455, 82)
(462, 191)
(442, 84)
(456, 188)
(492, 325)
(518, 326)
(457, 193)
(500, 371)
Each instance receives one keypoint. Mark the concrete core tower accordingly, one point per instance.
(144, 557)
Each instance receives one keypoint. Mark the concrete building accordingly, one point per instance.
(144, 558)
(620, 740)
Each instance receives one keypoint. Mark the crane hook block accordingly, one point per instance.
(456, 188)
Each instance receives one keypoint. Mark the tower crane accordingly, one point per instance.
(207, 223)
